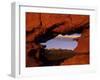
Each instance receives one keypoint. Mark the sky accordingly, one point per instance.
(63, 42)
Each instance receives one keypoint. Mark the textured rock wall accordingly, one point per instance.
(48, 26)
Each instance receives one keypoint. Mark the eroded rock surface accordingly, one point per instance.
(43, 27)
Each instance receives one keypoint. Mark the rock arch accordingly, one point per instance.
(41, 27)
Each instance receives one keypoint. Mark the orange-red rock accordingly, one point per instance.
(39, 23)
(32, 20)
(83, 42)
(77, 60)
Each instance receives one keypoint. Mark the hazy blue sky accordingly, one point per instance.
(62, 43)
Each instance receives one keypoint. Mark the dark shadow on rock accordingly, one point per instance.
(54, 56)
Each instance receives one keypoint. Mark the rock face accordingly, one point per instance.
(70, 22)
(83, 42)
(77, 60)
(32, 20)
(41, 27)
(82, 50)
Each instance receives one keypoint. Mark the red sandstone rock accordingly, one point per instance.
(40, 22)
(32, 20)
(77, 60)
(83, 42)
(70, 21)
